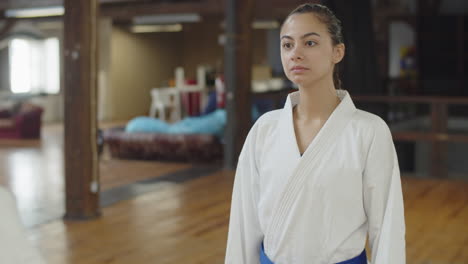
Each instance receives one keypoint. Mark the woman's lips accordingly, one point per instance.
(298, 69)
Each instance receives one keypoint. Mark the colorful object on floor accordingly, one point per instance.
(212, 124)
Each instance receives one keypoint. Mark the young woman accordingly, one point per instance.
(317, 177)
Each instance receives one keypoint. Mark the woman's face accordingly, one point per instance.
(307, 52)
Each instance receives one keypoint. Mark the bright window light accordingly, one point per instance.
(52, 65)
(34, 66)
(20, 66)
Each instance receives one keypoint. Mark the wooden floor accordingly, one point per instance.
(178, 224)
(34, 171)
(187, 222)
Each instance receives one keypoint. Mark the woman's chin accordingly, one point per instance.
(299, 80)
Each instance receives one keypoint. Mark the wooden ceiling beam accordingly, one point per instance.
(144, 1)
(16, 4)
(128, 10)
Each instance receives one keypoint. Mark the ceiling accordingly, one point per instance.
(125, 9)
(11, 4)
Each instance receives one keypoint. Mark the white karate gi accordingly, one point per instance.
(317, 208)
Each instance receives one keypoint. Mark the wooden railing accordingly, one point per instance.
(438, 136)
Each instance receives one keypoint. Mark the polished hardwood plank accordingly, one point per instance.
(34, 171)
(115, 173)
(180, 223)
(187, 223)
(436, 217)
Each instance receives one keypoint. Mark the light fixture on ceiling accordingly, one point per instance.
(47, 25)
(155, 28)
(35, 12)
(265, 24)
(259, 24)
(167, 19)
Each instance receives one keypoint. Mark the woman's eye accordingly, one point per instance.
(310, 43)
(287, 45)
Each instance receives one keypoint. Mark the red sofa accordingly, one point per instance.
(24, 122)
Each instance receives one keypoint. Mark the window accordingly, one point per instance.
(34, 66)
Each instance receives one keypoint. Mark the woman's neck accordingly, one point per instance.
(317, 102)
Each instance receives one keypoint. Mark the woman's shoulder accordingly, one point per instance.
(365, 118)
(269, 116)
(264, 126)
(371, 123)
(268, 119)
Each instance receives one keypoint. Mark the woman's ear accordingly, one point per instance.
(338, 52)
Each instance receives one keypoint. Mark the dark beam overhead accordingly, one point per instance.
(14, 4)
(146, 1)
(130, 9)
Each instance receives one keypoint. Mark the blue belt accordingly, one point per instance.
(361, 259)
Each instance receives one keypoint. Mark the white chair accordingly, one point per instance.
(163, 99)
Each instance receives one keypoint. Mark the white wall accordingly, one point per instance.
(105, 107)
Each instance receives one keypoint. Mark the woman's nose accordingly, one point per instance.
(296, 54)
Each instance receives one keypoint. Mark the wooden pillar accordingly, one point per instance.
(439, 120)
(237, 69)
(81, 160)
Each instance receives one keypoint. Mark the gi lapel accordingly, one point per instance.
(325, 138)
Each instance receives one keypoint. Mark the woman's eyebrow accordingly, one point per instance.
(303, 36)
(310, 34)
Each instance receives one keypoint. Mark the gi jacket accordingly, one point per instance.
(320, 207)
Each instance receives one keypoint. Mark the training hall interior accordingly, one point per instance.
(121, 121)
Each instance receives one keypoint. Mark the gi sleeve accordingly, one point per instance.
(383, 199)
(245, 236)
